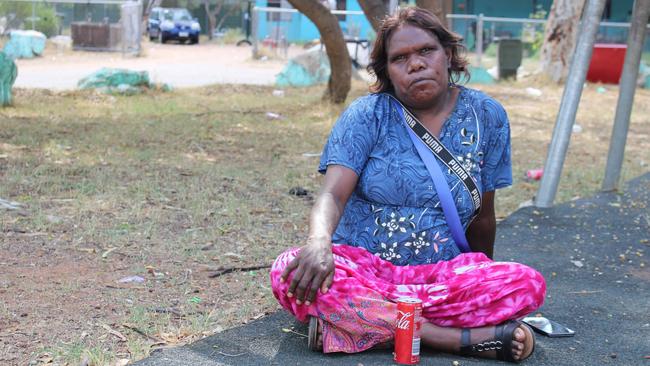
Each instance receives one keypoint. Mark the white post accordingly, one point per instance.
(392, 6)
(479, 39)
(569, 105)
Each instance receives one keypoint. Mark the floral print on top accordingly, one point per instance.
(394, 211)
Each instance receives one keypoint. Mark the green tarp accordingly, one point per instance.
(119, 81)
(25, 44)
(8, 73)
(480, 76)
(644, 71)
(309, 68)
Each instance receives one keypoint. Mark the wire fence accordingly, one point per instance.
(95, 25)
(482, 33)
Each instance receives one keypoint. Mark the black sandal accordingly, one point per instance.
(502, 342)
(312, 335)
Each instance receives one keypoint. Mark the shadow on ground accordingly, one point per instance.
(592, 253)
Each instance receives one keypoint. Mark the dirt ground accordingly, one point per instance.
(179, 65)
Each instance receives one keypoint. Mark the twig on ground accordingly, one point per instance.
(126, 287)
(585, 292)
(212, 111)
(18, 207)
(10, 205)
(226, 270)
(174, 208)
(107, 252)
(16, 230)
(142, 333)
(287, 330)
(229, 355)
(168, 311)
(114, 332)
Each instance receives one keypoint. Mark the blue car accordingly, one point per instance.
(173, 24)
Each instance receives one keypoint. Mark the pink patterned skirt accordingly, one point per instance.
(359, 309)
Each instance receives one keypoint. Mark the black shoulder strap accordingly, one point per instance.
(447, 158)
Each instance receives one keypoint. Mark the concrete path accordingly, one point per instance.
(593, 253)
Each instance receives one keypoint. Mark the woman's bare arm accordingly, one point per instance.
(314, 264)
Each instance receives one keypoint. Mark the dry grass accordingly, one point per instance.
(170, 186)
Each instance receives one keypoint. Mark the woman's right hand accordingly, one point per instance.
(314, 269)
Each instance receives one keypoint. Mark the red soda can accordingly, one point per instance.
(407, 331)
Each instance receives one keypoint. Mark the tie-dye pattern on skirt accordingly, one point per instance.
(359, 309)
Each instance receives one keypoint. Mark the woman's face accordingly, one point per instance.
(417, 66)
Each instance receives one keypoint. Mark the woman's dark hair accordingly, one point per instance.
(423, 19)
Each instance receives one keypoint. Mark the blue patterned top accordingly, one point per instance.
(394, 210)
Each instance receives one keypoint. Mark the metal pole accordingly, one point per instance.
(635, 42)
(569, 105)
(34, 16)
(254, 25)
(392, 6)
(479, 39)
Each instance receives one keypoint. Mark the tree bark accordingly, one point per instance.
(340, 81)
(212, 15)
(150, 5)
(438, 7)
(375, 11)
(147, 10)
(560, 37)
(224, 17)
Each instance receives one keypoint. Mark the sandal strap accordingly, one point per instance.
(505, 334)
(501, 343)
(467, 348)
(312, 334)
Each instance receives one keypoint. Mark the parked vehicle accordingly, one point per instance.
(173, 24)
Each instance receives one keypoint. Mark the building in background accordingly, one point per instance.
(298, 28)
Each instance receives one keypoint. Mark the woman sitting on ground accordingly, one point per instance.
(378, 229)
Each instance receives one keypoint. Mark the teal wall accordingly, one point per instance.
(300, 29)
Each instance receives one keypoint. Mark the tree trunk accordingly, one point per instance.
(339, 83)
(438, 7)
(211, 18)
(229, 10)
(375, 11)
(150, 5)
(560, 37)
(147, 10)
